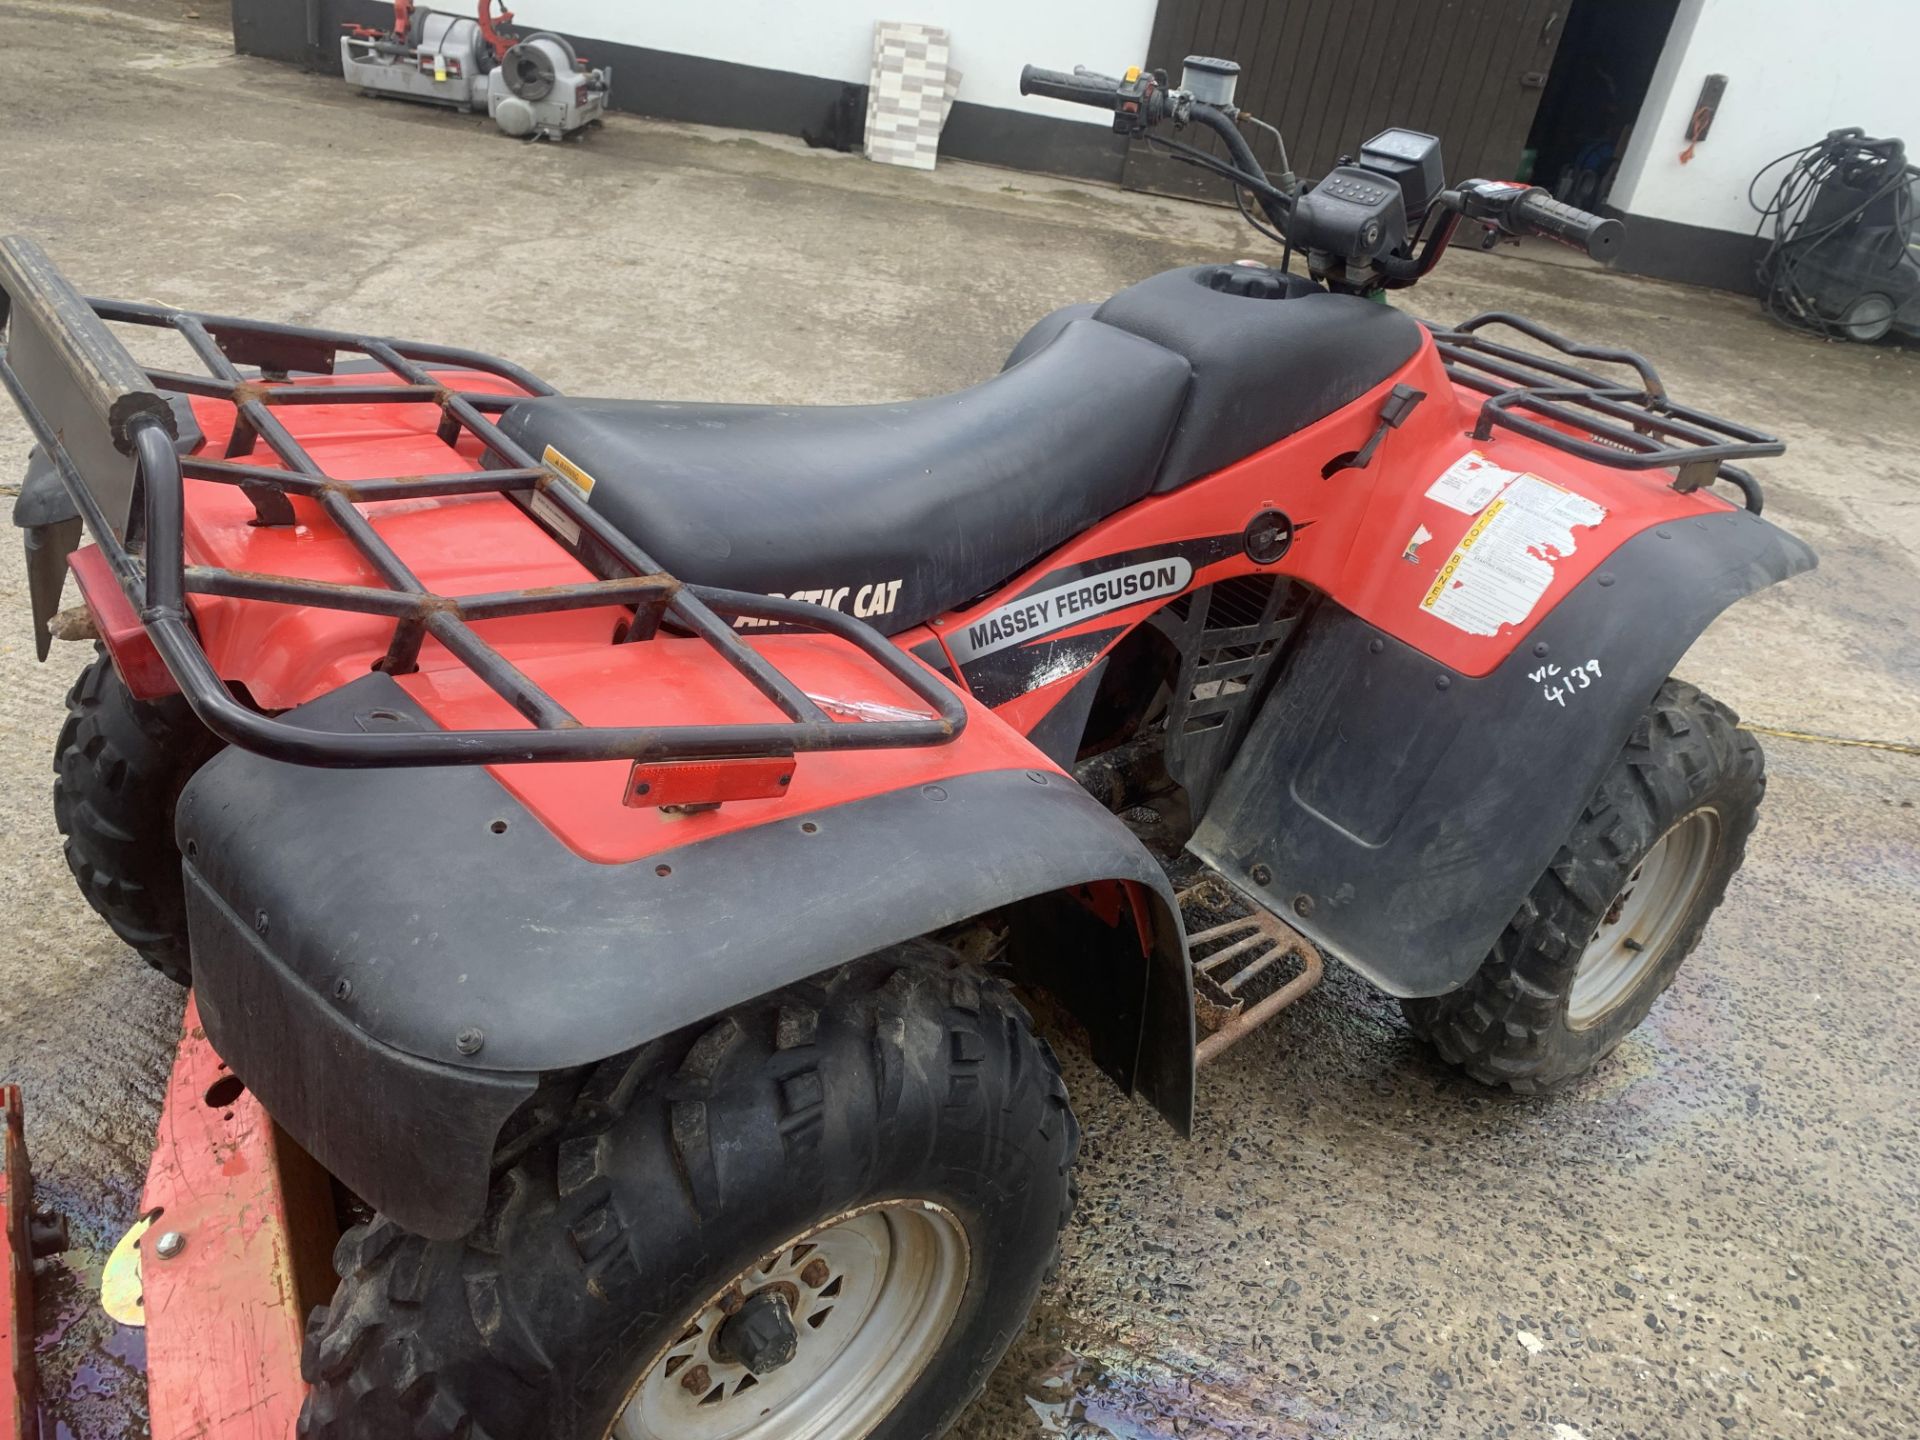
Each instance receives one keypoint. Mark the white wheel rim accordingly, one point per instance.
(1644, 919)
(872, 1294)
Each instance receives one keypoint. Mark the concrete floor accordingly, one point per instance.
(1715, 1234)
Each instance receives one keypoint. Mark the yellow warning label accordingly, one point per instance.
(582, 481)
(1445, 577)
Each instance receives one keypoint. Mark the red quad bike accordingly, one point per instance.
(603, 833)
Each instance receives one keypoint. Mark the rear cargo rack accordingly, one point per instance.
(1628, 426)
(86, 399)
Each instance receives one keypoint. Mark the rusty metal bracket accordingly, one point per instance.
(17, 1405)
(242, 1223)
(1230, 957)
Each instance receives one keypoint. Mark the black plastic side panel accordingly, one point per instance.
(413, 1139)
(1404, 810)
(398, 884)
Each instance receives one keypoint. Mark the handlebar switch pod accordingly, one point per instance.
(1137, 101)
(1354, 214)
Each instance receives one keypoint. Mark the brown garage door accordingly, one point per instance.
(1330, 73)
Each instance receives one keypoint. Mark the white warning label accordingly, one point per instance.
(1504, 563)
(558, 521)
(1470, 482)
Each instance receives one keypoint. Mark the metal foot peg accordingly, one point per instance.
(1231, 957)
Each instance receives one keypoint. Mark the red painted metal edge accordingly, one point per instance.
(224, 1312)
(17, 1412)
(131, 648)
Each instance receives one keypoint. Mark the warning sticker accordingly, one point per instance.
(1470, 482)
(557, 520)
(551, 511)
(1504, 563)
(582, 481)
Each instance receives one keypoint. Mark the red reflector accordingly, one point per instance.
(580, 94)
(128, 644)
(707, 782)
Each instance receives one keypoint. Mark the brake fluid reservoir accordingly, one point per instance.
(1210, 81)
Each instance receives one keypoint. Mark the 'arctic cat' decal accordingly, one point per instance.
(877, 598)
(1077, 600)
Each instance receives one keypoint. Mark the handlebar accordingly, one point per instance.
(1539, 213)
(1142, 100)
(1083, 87)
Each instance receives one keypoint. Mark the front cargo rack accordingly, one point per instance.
(1630, 427)
(107, 426)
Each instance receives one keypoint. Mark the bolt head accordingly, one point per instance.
(697, 1381)
(469, 1040)
(170, 1244)
(1260, 875)
(816, 1274)
(1303, 904)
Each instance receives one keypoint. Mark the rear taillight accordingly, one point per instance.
(581, 92)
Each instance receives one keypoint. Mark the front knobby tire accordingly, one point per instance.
(1604, 931)
(736, 1190)
(119, 767)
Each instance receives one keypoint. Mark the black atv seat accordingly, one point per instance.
(897, 513)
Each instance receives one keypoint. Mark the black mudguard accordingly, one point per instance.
(1398, 812)
(46, 512)
(391, 959)
(51, 520)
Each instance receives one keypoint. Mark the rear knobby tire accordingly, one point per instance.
(119, 767)
(1521, 1021)
(624, 1201)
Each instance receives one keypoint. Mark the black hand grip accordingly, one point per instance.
(1539, 212)
(1093, 90)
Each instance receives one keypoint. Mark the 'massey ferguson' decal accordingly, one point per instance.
(1045, 611)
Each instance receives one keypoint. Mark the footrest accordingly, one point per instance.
(1239, 980)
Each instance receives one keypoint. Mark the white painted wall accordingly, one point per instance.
(1795, 69)
(991, 39)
